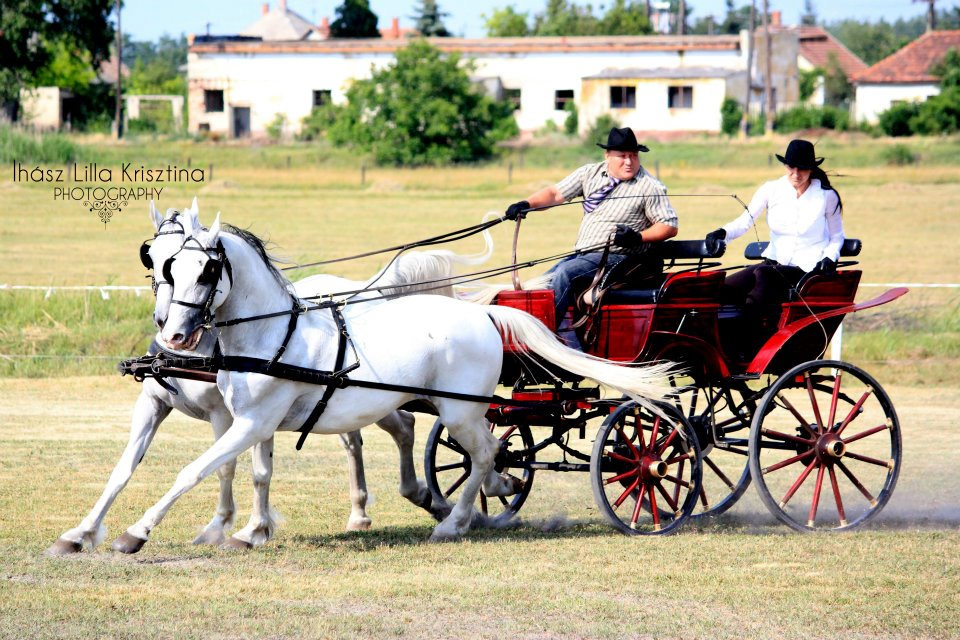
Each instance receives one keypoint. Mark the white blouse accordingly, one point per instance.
(803, 230)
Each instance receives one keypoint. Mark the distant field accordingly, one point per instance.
(563, 573)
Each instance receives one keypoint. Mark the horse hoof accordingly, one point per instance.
(128, 543)
(210, 537)
(359, 524)
(64, 548)
(236, 544)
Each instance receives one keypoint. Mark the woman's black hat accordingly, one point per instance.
(622, 140)
(800, 154)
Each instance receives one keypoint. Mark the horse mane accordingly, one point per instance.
(260, 247)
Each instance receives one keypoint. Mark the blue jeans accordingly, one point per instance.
(571, 277)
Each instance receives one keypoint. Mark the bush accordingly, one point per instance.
(895, 121)
(17, 146)
(804, 117)
(141, 125)
(601, 129)
(316, 125)
(939, 114)
(572, 123)
(899, 155)
(275, 128)
(731, 113)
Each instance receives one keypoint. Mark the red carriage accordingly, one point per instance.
(818, 438)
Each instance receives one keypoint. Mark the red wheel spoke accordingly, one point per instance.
(636, 508)
(451, 466)
(676, 491)
(833, 398)
(880, 463)
(813, 402)
(856, 483)
(786, 437)
(666, 496)
(622, 476)
(816, 496)
(654, 510)
(798, 483)
(787, 462)
(617, 456)
(675, 459)
(655, 432)
(836, 496)
(633, 449)
(676, 480)
(703, 499)
(864, 434)
(855, 411)
(796, 414)
(720, 474)
(666, 442)
(623, 496)
(456, 485)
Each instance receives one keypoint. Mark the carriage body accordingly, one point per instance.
(760, 401)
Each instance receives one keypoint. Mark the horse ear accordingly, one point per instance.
(155, 216)
(215, 228)
(195, 207)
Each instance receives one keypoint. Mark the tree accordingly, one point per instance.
(736, 19)
(506, 23)
(429, 20)
(31, 32)
(837, 90)
(947, 71)
(809, 15)
(422, 109)
(562, 18)
(355, 20)
(625, 18)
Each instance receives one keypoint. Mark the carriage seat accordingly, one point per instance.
(650, 289)
(851, 248)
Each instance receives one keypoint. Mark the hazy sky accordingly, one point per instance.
(148, 19)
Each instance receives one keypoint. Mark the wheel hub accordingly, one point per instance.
(652, 469)
(830, 447)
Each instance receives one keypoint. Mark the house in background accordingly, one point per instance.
(903, 76)
(817, 49)
(283, 65)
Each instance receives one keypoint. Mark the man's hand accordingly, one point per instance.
(517, 210)
(626, 237)
(826, 266)
(714, 238)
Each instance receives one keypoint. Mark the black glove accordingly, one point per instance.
(826, 266)
(626, 237)
(714, 238)
(517, 210)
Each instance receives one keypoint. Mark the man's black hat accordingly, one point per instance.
(800, 154)
(622, 140)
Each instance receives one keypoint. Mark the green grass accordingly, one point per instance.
(562, 573)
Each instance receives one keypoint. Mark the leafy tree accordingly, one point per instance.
(809, 15)
(939, 114)
(70, 70)
(32, 31)
(948, 70)
(422, 109)
(155, 67)
(355, 20)
(735, 20)
(506, 23)
(808, 80)
(837, 90)
(873, 42)
(563, 18)
(429, 20)
(625, 18)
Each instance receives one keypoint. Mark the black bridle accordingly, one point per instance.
(209, 277)
(145, 258)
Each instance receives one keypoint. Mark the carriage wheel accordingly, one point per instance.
(447, 465)
(825, 447)
(645, 470)
(720, 415)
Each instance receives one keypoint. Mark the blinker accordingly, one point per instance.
(145, 256)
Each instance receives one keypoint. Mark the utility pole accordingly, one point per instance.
(745, 118)
(768, 72)
(681, 17)
(118, 106)
(931, 14)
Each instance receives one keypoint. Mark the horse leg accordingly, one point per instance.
(353, 445)
(149, 411)
(244, 433)
(399, 425)
(472, 434)
(222, 521)
(262, 522)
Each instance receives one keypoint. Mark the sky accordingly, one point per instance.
(149, 19)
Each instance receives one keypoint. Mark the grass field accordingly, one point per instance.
(562, 573)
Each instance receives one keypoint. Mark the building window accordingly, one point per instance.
(512, 95)
(213, 100)
(561, 97)
(623, 97)
(680, 97)
(203, 126)
(321, 97)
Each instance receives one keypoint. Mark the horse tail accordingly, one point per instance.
(487, 293)
(644, 384)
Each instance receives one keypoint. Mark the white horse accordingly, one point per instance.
(430, 343)
(203, 401)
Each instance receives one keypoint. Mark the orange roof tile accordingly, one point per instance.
(816, 45)
(912, 63)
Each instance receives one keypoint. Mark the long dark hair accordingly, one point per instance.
(821, 175)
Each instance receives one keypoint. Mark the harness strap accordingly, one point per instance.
(291, 327)
(328, 392)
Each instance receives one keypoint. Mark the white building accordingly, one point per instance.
(903, 76)
(239, 84)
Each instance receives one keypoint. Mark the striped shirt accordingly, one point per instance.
(639, 202)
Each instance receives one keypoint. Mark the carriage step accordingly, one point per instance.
(556, 466)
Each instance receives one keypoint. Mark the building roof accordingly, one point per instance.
(911, 64)
(280, 24)
(816, 45)
(488, 46)
(672, 73)
(107, 71)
